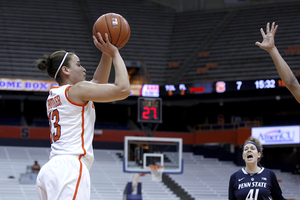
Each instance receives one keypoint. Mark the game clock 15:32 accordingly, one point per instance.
(149, 110)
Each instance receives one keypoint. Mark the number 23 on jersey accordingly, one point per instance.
(54, 126)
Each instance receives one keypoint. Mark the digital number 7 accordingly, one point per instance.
(154, 112)
(238, 85)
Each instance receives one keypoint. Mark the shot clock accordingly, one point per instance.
(149, 110)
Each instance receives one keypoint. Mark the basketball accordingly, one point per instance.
(116, 26)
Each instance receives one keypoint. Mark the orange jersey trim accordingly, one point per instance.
(79, 178)
(72, 102)
(82, 133)
(53, 87)
(79, 158)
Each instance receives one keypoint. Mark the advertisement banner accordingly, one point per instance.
(26, 85)
(277, 135)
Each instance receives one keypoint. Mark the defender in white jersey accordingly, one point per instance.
(71, 114)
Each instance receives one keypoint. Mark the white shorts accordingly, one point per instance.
(63, 178)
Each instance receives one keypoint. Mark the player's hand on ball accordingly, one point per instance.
(117, 27)
(105, 46)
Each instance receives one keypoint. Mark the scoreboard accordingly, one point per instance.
(153, 90)
(261, 84)
(221, 87)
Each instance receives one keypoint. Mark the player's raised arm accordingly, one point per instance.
(101, 74)
(99, 92)
(121, 75)
(119, 34)
(282, 67)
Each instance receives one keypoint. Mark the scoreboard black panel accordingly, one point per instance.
(221, 87)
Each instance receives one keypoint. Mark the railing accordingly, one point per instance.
(226, 126)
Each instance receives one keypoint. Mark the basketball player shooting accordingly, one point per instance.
(71, 115)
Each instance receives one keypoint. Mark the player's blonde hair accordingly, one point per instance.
(257, 144)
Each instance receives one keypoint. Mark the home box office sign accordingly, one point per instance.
(26, 85)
